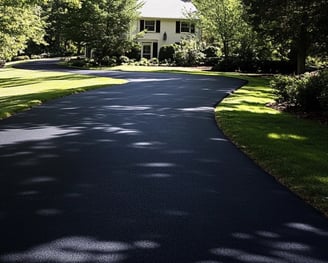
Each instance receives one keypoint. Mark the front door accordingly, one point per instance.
(146, 50)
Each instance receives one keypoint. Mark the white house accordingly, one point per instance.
(165, 22)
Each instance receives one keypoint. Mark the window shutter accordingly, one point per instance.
(177, 27)
(155, 50)
(192, 28)
(158, 26)
(142, 25)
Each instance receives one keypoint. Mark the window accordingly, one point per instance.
(185, 27)
(150, 25)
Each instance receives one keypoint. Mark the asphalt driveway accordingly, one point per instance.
(141, 173)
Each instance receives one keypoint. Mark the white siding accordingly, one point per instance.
(168, 26)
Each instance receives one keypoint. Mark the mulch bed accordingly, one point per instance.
(321, 117)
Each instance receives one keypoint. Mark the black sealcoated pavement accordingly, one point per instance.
(140, 173)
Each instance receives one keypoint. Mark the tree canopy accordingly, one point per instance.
(256, 29)
(298, 25)
(222, 22)
(20, 21)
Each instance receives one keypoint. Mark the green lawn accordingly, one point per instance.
(293, 150)
(23, 89)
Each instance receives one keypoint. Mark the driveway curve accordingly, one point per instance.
(141, 173)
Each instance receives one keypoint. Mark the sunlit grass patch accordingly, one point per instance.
(23, 89)
(293, 150)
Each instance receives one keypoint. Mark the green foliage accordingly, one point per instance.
(306, 92)
(253, 65)
(108, 61)
(188, 52)
(154, 61)
(286, 89)
(317, 90)
(135, 51)
(20, 22)
(166, 53)
(20, 58)
(298, 26)
(124, 60)
(101, 25)
(107, 24)
(211, 54)
(222, 22)
(292, 149)
(78, 62)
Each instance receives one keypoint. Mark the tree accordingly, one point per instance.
(296, 25)
(222, 22)
(58, 15)
(20, 21)
(98, 24)
(107, 26)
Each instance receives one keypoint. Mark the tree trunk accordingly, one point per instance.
(301, 58)
(226, 50)
(302, 45)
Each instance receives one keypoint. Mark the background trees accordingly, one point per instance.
(20, 21)
(65, 26)
(106, 26)
(299, 26)
(222, 23)
(248, 33)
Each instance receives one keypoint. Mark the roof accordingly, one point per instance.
(171, 9)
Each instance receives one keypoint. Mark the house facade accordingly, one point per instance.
(164, 22)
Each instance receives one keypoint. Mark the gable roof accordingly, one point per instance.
(171, 9)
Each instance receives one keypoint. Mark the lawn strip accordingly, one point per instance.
(291, 149)
(22, 89)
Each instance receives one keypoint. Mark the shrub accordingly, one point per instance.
(227, 64)
(36, 56)
(211, 61)
(166, 53)
(308, 92)
(109, 61)
(19, 58)
(211, 52)
(143, 62)
(154, 61)
(244, 64)
(287, 88)
(134, 53)
(2, 63)
(318, 85)
(78, 62)
(124, 60)
(188, 56)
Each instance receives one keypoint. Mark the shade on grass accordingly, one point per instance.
(22, 89)
(294, 150)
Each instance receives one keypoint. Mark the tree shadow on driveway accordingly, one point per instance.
(140, 173)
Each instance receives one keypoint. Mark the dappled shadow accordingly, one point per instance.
(296, 154)
(140, 173)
